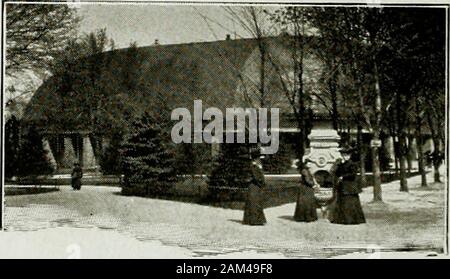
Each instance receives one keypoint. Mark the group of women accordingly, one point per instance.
(343, 208)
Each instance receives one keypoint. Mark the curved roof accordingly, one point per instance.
(168, 76)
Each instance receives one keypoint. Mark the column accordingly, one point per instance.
(69, 157)
(49, 155)
(88, 156)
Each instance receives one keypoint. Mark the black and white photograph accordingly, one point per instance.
(224, 130)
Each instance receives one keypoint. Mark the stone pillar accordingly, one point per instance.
(88, 156)
(69, 157)
(50, 157)
(324, 148)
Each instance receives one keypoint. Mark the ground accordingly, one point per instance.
(98, 222)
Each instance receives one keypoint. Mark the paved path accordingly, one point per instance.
(102, 223)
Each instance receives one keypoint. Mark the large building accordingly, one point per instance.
(77, 118)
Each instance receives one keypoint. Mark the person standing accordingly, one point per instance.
(347, 207)
(254, 208)
(306, 207)
(77, 174)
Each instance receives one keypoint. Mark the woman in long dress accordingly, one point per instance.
(306, 207)
(77, 174)
(347, 208)
(254, 208)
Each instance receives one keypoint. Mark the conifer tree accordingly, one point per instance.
(33, 158)
(12, 131)
(147, 158)
(233, 168)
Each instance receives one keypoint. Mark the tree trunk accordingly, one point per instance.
(402, 155)
(262, 72)
(396, 157)
(362, 159)
(301, 104)
(422, 170)
(409, 154)
(436, 163)
(332, 87)
(436, 143)
(377, 192)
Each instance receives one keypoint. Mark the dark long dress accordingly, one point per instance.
(347, 208)
(306, 207)
(254, 209)
(77, 174)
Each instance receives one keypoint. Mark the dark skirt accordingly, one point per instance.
(306, 208)
(347, 210)
(254, 210)
(76, 183)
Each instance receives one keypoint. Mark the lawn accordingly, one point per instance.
(276, 192)
(13, 191)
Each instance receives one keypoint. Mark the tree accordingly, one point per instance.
(110, 157)
(429, 56)
(231, 173)
(186, 161)
(363, 34)
(193, 159)
(342, 74)
(363, 28)
(413, 69)
(35, 33)
(33, 158)
(12, 145)
(299, 92)
(254, 20)
(147, 158)
(438, 156)
(86, 74)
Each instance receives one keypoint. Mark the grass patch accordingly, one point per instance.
(15, 191)
(276, 192)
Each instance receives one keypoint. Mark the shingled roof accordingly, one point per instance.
(171, 76)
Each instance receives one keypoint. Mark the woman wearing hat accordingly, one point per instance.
(77, 174)
(254, 208)
(347, 207)
(306, 207)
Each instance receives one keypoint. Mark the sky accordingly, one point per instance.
(169, 24)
